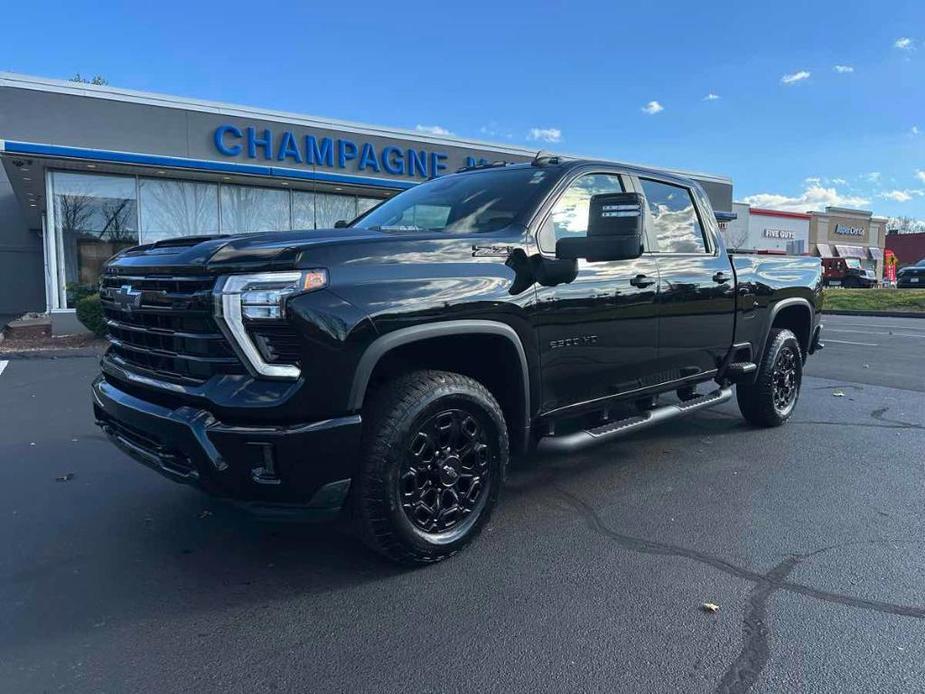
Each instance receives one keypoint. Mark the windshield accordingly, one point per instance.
(853, 262)
(475, 202)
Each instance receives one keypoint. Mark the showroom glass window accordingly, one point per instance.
(248, 208)
(171, 208)
(321, 210)
(671, 218)
(95, 217)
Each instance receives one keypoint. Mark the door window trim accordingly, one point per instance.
(711, 247)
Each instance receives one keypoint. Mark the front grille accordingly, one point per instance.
(164, 325)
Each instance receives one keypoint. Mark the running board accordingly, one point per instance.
(613, 430)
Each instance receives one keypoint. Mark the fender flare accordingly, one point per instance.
(403, 336)
(782, 304)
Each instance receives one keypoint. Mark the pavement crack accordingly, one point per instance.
(744, 671)
(879, 413)
(643, 546)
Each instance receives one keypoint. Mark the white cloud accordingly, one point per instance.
(495, 130)
(545, 134)
(432, 130)
(919, 174)
(914, 131)
(843, 69)
(872, 177)
(904, 43)
(839, 181)
(711, 97)
(814, 197)
(652, 108)
(812, 180)
(902, 195)
(795, 77)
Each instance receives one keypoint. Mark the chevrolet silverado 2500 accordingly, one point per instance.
(387, 371)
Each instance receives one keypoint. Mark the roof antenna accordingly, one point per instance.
(544, 158)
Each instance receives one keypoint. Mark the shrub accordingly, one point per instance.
(90, 313)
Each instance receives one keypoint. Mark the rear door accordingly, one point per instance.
(696, 296)
(598, 333)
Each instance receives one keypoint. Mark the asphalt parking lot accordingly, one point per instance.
(590, 577)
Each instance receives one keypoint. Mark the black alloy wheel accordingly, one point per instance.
(447, 471)
(785, 379)
(771, 398)
(434, 453)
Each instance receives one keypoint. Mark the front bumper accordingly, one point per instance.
(277, 471)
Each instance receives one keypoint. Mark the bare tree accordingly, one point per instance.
(905, 225)
(98, 80)
(74, 211)
(119, 217)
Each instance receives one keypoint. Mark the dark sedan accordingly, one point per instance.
(912, 276)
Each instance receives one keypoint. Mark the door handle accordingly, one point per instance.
(720, 277)
(641, 281)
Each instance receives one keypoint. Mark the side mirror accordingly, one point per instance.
(341, 224)
(615, 230)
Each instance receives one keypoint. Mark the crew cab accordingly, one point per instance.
(388, 370)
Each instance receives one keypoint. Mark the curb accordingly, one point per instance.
(879, 314)
(81, 353)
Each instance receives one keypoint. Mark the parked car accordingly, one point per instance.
(848, 273)
(911, 276)
(388, 370)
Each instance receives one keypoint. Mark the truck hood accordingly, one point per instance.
(228, 253)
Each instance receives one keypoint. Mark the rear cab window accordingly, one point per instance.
(672, 221)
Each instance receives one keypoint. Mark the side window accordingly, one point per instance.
(569, 216)
(671, 218)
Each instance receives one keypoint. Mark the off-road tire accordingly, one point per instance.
(395, 414)
(760, 402)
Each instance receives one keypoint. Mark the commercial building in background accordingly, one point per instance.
(840, 232)
(90, 170)
(837, 232)
(758, 230)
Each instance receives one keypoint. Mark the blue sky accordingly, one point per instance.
(609, 79)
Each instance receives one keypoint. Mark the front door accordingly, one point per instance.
(597, 333)
(696, 297)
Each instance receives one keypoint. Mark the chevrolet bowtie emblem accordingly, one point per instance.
(127, 298)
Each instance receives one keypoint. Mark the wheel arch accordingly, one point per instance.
(426, 345)
(794, 314)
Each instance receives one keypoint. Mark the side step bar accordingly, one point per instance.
(613, 430)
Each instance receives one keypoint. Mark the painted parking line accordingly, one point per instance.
(3, 365)
(892, 333)
(876, 325)
(848, 342)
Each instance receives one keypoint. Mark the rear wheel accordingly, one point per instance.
(435, 447)
(771, 399)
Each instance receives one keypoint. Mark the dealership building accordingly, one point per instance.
(89, 170)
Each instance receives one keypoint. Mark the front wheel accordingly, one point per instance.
(434, 452)
(771, 399)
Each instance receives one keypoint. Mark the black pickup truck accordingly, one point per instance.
(387, 369)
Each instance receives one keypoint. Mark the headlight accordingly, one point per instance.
(261, 298)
